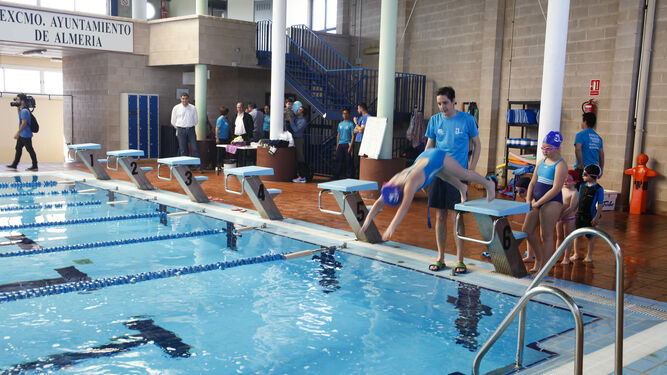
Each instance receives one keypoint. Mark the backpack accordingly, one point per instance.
(34, 125)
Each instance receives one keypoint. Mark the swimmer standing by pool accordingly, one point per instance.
(401, 189)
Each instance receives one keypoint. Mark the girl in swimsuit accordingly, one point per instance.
(401, 189)
(546, 200)
(565, 224)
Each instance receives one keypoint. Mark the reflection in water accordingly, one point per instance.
(328, 267)
(470, 312)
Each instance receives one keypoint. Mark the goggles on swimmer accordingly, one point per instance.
(392, 195)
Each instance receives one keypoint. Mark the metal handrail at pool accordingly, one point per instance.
(520, 308)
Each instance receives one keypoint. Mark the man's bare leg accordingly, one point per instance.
(440, 234)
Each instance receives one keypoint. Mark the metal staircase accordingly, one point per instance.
(330, 83)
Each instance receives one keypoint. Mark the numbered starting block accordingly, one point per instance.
(84, 152)
(126, 160)
(346, 193)
(261, 197)
(180, 167)
(499, 238)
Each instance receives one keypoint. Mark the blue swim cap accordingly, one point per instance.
(554, 138)
(392, 195)
(295, 107)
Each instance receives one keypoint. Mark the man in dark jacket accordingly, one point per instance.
(243, 124)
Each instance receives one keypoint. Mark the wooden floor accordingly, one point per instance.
(643, 238)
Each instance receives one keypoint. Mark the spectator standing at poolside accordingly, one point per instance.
(588, 145)
(257, 120)
(343, 166)
(266, 128)
(243, 124)
(184, 118)
(221, 134)
(450, 131)
(298, 125)
(359, 127)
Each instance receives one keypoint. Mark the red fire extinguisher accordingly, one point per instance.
(589, 106)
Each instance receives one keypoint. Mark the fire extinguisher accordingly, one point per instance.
(589, 106)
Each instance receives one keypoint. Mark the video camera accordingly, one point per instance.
(29, 101)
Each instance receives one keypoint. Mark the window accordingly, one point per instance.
(87, 6)
(33, 81)
(324, 15)
(53, 82)
(22, 80)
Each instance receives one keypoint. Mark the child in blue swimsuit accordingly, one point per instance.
(546, 200)
(401, 189)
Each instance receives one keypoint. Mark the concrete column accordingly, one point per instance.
(201, 75)
(553, 70)
(201, 83)
(279, 17)
(201, 7)
(387, 71)
(309, 14)
(139, 9)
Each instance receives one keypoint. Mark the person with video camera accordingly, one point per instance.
(24, 135)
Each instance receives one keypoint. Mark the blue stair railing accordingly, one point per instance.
(330, 83)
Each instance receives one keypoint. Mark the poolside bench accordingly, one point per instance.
(126, 160)
(346, 193)
(499, 238)
(180, 167)
(260, 196)
(84, 152)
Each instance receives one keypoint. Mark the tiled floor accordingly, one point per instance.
(643, 238)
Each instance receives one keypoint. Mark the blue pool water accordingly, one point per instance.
(330, 313)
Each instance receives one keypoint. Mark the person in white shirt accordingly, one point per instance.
(243, 124)
(184, 118)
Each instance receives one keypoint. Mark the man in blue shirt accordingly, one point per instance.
(343, 169)
(588, 145)
(451, 131)
(24, 135)
(359, 127)
(298, 126)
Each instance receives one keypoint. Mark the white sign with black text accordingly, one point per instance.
(65, 30)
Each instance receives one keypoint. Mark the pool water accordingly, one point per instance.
(329, 313)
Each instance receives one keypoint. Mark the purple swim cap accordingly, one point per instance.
(392, 195)
(554, 138)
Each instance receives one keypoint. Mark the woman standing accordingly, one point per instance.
(545, 199)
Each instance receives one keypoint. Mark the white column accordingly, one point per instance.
(387, 71)
(309, 13)
(139, 9)
(278, 67)
(553, 70)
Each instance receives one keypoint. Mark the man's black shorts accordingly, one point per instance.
(443, 195)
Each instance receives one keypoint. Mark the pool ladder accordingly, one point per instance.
(534, 289)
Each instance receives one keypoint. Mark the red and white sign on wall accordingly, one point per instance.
(595, 87)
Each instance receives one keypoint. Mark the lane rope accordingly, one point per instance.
(48, 206)
(88, 245)
(161, 215)
(39, 193)
(32, 184)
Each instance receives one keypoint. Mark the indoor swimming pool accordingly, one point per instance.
(90, 287)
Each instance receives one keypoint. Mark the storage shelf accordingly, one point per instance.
(522, 147)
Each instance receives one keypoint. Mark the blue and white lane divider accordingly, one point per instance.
(80, 286)
(39, 193)
(132, 278)
(48, 206)
(161, 215)
(81, 246)
(31, 184)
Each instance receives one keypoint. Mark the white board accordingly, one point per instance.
(374, 132)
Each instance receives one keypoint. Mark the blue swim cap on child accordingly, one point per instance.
(392, 195)
(554, 138)
(295, 107)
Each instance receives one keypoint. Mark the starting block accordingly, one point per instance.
(499, 238)
(346, 193)
(261, 197)
(179, 166)
(83, 151)
(125, 159)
